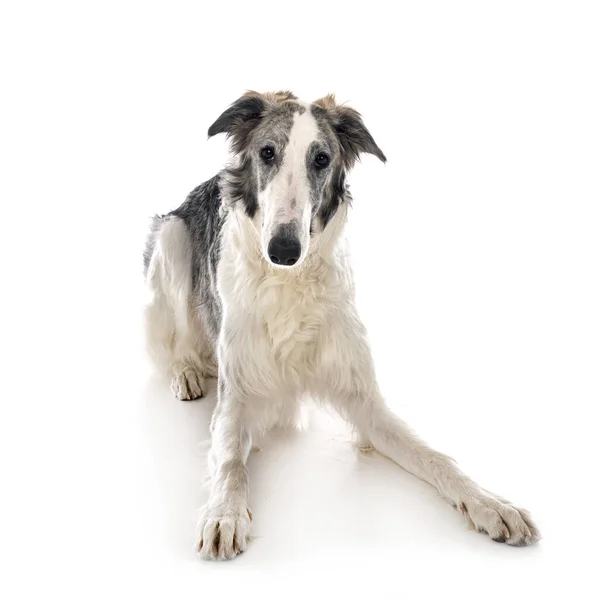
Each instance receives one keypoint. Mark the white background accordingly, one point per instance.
(473, 249)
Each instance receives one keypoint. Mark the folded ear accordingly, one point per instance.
(245, 114)
(247, 108)
(353, 136)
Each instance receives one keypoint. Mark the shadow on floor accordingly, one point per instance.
(311, 492)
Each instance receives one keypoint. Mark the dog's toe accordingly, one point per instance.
(500, 520)
(188, 385)
(223, 533)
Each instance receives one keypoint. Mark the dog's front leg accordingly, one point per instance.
(224, 526)
(353, 390)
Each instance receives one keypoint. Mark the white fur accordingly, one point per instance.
(286, 334)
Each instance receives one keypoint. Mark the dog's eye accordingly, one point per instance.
(322, 160)
(267, 153)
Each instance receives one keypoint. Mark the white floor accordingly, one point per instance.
(108, 481)
(105, 482)
(330, 521)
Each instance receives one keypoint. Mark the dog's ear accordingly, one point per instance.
(246, 110)
(348, 125)
(245, 114)
(353, 136)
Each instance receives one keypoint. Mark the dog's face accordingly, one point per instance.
(292, 163)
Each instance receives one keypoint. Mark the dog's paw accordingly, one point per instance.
(188, 385)
(223, 532)
(499, 519)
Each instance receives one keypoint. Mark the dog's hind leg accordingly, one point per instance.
(176, 337)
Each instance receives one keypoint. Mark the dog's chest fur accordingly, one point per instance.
(291, 308)
(277, 315)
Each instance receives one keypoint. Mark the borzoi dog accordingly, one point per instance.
(250, 282)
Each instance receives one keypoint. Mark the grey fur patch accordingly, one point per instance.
(202, 216)
(274, 132)
(319, 178)
(240, 185)
(287, 230)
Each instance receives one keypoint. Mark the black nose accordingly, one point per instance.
(284, 250)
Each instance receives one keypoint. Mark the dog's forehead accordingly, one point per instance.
(320, 114)
(304, 131)
(292, 120)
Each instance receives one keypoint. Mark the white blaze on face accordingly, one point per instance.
(287, 196)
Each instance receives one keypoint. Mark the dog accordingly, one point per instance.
(250, 282)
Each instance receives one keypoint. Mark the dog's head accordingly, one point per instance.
(292, 163)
